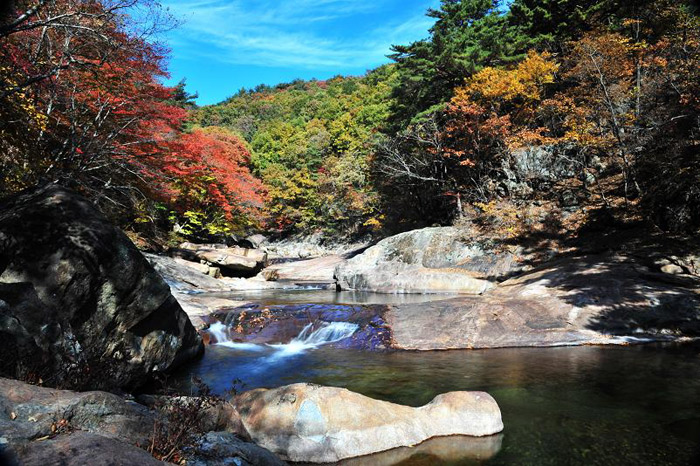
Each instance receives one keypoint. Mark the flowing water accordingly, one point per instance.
(637, 405)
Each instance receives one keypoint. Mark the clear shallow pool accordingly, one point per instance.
(561, 406)
(325, 296)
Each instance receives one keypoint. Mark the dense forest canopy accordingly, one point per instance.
(540, 114)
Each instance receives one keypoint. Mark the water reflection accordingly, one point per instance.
(439, 450)
(560, 406)
(283, 296)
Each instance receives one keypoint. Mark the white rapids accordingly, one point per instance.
(308, 338)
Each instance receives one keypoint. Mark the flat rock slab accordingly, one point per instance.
(320, 269)
(237, 261)
(574, 301)
(311, 423)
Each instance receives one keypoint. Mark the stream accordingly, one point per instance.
(614, 405)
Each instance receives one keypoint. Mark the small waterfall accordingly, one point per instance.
(220, 332)
(308, 338)
(328, 332)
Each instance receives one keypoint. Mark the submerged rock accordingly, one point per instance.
(604, 299)
(80, 306)
(282, 323)
(430, 260)
(439, 450)
(311, 423)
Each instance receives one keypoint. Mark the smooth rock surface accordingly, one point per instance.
(257, 240)
(36, 409)
(602, 299)
(192, 289)
(319, 269)
(311, 423)
(311, 246)
(430, 260)
(201, 295)
(80, 306)
(81, 449)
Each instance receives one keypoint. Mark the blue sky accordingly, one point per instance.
(224, 45)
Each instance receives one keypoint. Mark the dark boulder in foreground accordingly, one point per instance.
(44, 426)
(80, 307)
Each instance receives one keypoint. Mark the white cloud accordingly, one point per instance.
(301, 33)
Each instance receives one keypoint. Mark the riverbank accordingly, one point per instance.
(622, 405)
(116, 325)
(481, 296)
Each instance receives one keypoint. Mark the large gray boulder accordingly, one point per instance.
(597, 299)
(28, 412)
(429, 260)
(43, 426)
(311, 423)
(80, 307)
(80, 449)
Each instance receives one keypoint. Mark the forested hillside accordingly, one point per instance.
(312, 145)
(544, 115)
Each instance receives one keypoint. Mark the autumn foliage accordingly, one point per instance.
(83, 104)
(607, 118)
(583, 106)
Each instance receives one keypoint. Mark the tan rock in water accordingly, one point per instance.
(430, 260)
(311, 423)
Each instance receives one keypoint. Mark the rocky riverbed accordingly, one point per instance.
(81, 308)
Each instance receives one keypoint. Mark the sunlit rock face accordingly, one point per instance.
(80, 307)
(312, 423)
(597, 299)
(430, 260)
(232, 261)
